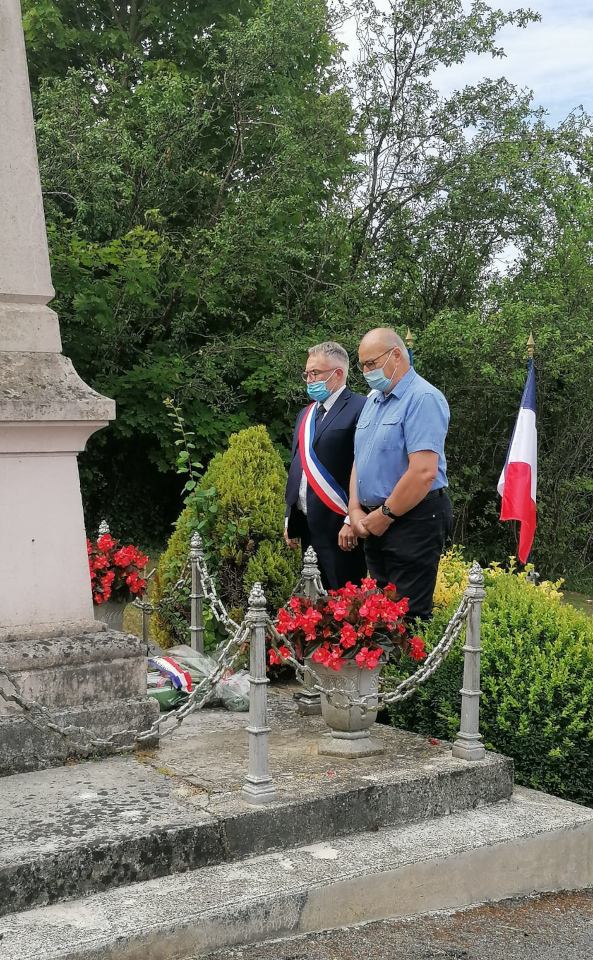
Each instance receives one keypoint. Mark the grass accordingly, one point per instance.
(579, 600)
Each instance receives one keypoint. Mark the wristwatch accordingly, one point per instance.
(387, 512)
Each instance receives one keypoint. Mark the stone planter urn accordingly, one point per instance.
(349, 724)
(111, 613)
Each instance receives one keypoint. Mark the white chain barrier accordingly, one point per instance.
(239, 636)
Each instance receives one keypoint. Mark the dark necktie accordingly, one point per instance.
(320, 413)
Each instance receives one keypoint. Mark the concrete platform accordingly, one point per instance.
(533, 843)
(94, 826)
(548, 926)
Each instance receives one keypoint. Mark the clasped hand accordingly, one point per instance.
(367, 524)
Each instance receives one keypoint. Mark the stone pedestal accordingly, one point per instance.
(47, 414)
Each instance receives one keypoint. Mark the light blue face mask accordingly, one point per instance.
(377, 380)
(317, 390)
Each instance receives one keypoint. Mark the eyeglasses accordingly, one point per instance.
(371, 364)
(313, 374)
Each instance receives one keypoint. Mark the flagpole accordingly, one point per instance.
(518, 480)
(530, 350)
(532, 576)
(410, 346)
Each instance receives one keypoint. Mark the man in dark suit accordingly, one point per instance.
(318, 485)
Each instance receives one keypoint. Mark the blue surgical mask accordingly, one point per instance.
(377, 380)
(317, 390)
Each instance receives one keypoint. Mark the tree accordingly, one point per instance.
(116, 38)
(223, 189)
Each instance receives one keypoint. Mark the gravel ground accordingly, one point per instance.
(550, 927)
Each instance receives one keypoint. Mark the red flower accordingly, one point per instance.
(351, 625)
(417, 649)
(335, 660)
(367, 583)
(321, 654)
(106, 542)
(339, 608)
(368, 658)
(286, 623)
(115, 570)
(348, 636)
(279, 656)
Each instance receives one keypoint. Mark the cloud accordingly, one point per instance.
(552, 58)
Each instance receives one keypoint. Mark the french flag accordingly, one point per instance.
(518, 480)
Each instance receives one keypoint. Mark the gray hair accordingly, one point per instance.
(334, 352)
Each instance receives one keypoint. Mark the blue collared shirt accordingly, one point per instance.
(414, 416)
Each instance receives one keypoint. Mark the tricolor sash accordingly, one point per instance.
(181, 679)
(320, 479)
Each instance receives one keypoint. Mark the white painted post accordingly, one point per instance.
(468, 745)
(197, 595)
(308, 701)
(258, 787)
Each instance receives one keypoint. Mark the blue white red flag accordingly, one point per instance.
(319, 478)
(518, 480)
(169, 667)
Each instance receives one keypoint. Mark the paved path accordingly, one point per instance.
(551, 927)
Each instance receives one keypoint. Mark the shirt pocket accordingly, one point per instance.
(390, 435)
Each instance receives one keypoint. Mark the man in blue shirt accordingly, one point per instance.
(398, 501)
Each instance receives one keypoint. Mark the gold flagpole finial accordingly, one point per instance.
(409, 339)
(530, 346)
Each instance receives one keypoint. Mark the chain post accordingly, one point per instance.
(307, 699)
(468, 745)
(258, 787)
(196, 629)
(145, 617)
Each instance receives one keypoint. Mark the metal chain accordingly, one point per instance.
(217, 607)
(238, 635)
(341, 698)
(166, 723)
(40, 717)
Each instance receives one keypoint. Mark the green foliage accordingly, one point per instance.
(91, 34)
(238, 508)
(277, 571)
(537, 686)
(222, 189)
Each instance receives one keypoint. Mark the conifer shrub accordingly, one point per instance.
(536, 680)
(238, 508)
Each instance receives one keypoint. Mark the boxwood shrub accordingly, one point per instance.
(537, 683)
(238, 507)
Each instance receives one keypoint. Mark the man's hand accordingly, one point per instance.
(347, 540)
(357, 520)
(291, 542)
(376, 523)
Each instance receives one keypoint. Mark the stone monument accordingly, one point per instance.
(49, 641)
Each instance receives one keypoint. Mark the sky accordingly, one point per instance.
(553, 58)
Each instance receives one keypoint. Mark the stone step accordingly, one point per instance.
(532, 843)
(67, 832)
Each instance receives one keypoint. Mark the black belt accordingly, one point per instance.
(429, 496)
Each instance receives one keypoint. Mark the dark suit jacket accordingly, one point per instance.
(334, 445)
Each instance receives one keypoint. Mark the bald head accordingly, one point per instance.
(384, 348)
(384, 338)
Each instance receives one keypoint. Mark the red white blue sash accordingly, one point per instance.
(319, 478)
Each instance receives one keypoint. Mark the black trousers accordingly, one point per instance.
(336, 566)
(408, 553)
